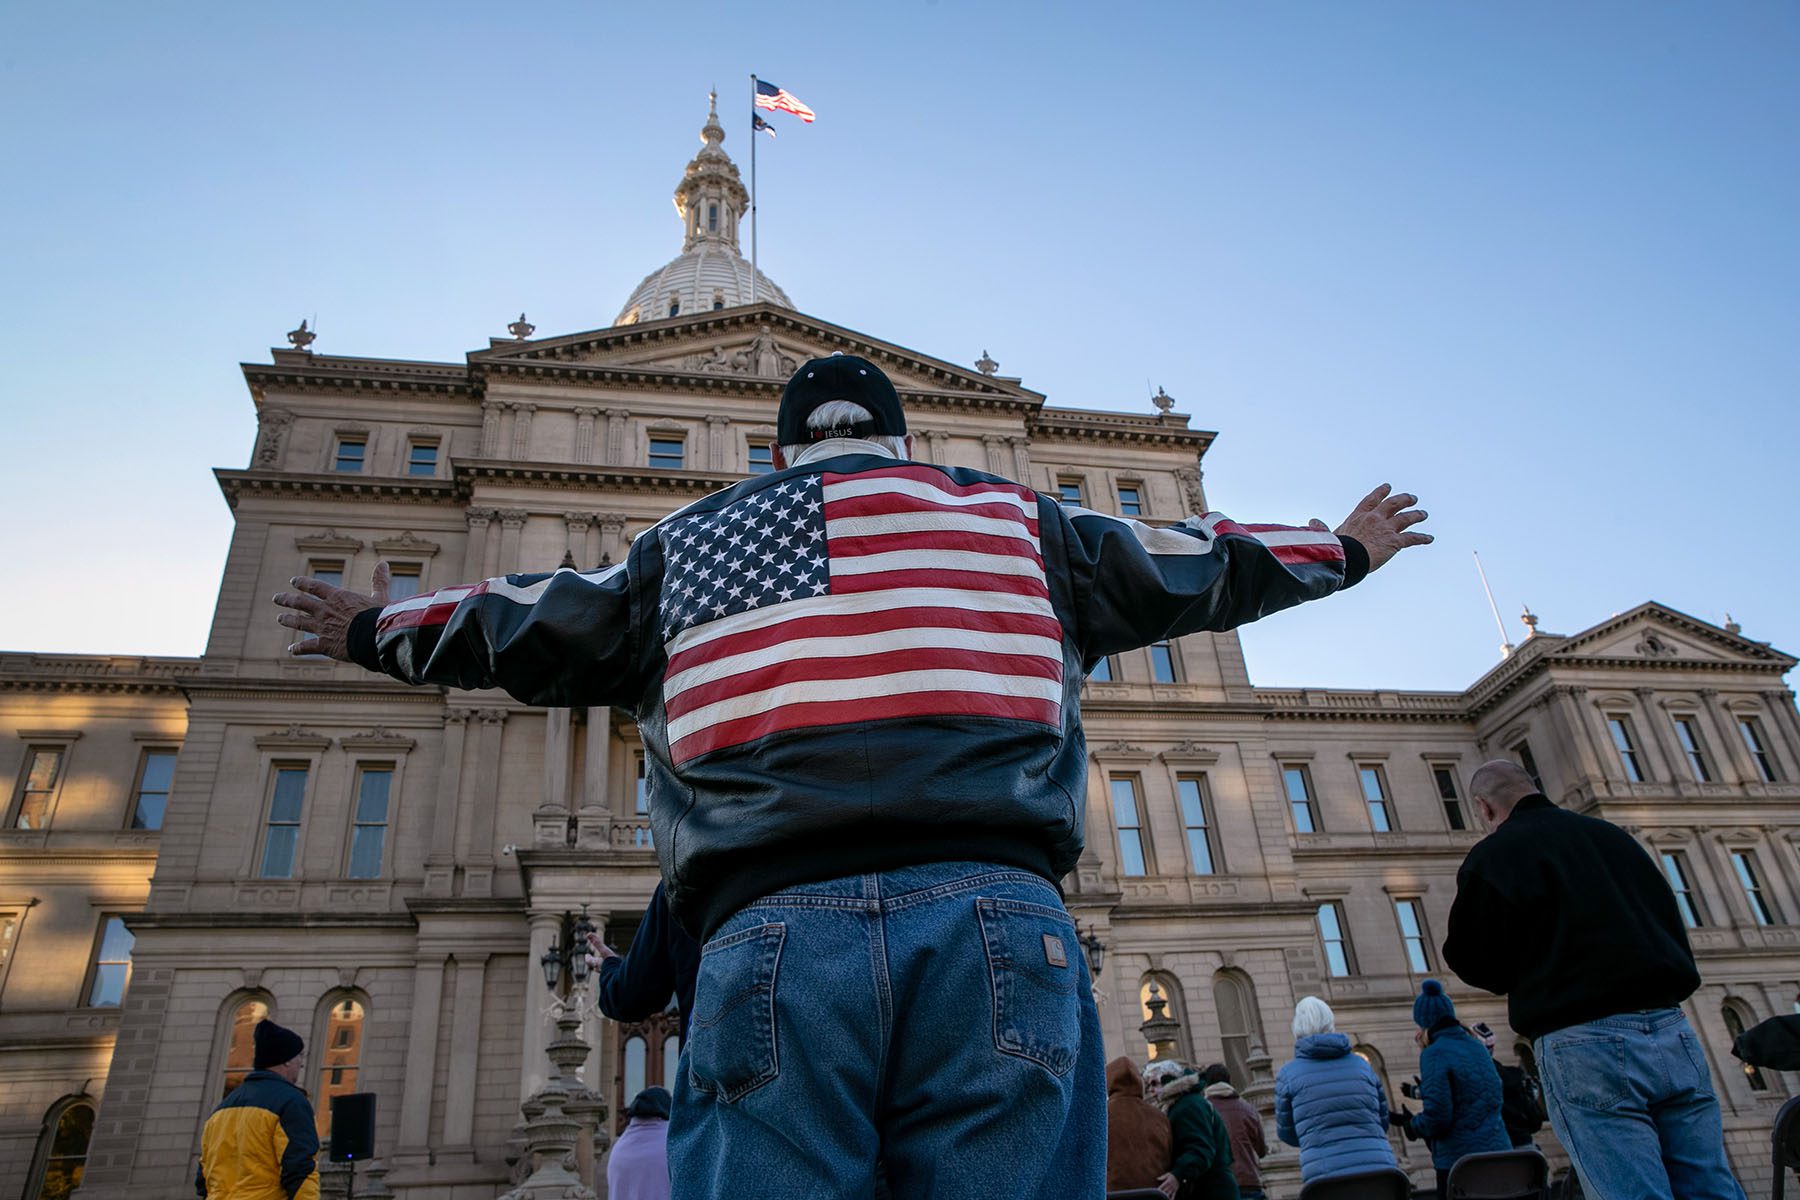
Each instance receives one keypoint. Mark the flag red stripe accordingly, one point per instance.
(1309, 553)
(863, 666)
(857, 624)
(936, 479)
(825, 712)
(882, 505)
(939, 577)
(434, 614)
(937, 539)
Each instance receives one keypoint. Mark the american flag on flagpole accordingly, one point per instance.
(779, 99)
(837, 598)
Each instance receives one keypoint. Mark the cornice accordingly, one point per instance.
(297, 372)
(337, 486)
(1074, 425)
(95, 673)
(251, 918)
(601, 478)
(227, 687)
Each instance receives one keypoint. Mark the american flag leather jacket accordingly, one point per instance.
(855, 664)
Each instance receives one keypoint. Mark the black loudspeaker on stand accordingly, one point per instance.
(353, 1131)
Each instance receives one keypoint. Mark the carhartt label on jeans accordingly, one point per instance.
(1054, 953)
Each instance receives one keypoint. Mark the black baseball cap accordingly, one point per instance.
(839, 377)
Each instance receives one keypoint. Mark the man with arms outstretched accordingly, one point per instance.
(857, 680)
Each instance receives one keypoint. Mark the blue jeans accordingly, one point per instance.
(1632, 1102)
(940, 1017)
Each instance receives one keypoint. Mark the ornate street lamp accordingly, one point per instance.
(569, 953)
(1094, 948)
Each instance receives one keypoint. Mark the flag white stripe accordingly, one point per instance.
(960, 599)
(925, 522)
(936, 560)
(449, 595)
(899, 683)
(923, 491)
(924, 638)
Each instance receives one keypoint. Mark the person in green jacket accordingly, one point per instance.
(1202, 1166)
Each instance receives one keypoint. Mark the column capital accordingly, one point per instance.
(611, 522)
(617, 414)
(491, 716)
(513, 518)
(717, 419)
(479, 517)
(586, 412)
(578, 522)
(457, 716)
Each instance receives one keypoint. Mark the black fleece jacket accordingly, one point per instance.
(1568, 918)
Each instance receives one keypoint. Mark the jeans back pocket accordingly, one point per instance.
(1035, 967)
(732, 1048)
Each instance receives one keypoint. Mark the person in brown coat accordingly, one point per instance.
(1139, 1146)
(1244, 1124)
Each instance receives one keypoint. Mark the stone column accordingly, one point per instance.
(615, 435)
(512, 525)
(440, 859)
(476, 552)
(546, 929)
(1725, 762)
(1734, 740)
(551, 820)
(491, 411)
(1611, 770)
(1021, 455)
(996, 453)
(577, 525)
(717, 427)
(612, 537)
(1580, 737)
(1783, 729)
(421, 1057)
(480, 808)
(584, 434)
(461, 1083)
(521, 438)
(938, 440)
(593, 821)
(1662, 735)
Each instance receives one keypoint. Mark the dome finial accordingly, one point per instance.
(712, 133)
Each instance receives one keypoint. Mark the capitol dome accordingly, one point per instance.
(710, 272)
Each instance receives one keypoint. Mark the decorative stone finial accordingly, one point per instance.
(1163, 401)
(521, 328)
(301, 338)
(1731, 626)
(568, 560)
(986, 365)
(1530, 619)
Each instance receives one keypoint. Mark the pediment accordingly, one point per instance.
(1652, 634)
(760, 342)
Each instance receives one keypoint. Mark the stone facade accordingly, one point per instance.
(381, 867)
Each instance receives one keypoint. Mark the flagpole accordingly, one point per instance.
(753, 189)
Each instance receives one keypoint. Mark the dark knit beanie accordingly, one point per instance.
(1432, 1005)
(1216, 1073)
(274, 1045)
(651, 1102)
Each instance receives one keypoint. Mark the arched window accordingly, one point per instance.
(337, 1054)
(712, 218)
(1372, 1056)
(1164, 987)
(1734, 1025)
(240, 1048)
(635, 1053)
(671, 1060)
(674, 306)
(1240, 1022)
(62, 1149)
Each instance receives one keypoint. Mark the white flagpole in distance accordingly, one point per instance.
(753, 189)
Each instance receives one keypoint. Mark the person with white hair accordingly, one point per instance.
(1328, 1101)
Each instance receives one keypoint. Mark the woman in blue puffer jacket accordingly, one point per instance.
(1328, 1101)
(1459, 1087)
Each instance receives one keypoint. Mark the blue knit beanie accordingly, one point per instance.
(1432, 1005)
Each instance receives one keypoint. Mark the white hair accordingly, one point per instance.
(845, 412)
(1312, 1015)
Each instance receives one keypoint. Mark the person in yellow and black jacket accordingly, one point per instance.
(261, 1141)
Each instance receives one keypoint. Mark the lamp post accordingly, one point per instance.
(568, 957)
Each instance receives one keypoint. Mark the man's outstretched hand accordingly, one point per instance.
(318, 608)
(1381, 522)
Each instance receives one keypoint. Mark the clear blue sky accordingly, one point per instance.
(1537, 262)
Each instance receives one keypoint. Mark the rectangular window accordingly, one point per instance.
(1103, 670)
(667, 454)
(1130, 502)
(112, 965)
(1412, 936)
(1751, 730)
(9, 937)
(1374, 790)
(1195, 811)
(1688, 734)
(762, 458)
(327, 570)
(1297, 781)
(1522, 752)
(350, 454)
(281, 839)
(1628, 751)
(1162, 662)
(1339, 961)
(403, 583)
(421, 458)
(1445, 778)
(156, 774)
(1130, 823)
(1744, 863)
(368, 837)
(37, 787)
(1069, 490)
(1676, 872)
(641, 838)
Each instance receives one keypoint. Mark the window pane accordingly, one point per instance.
(1299, 797)
(1162, 663)
(762, 460)
(1129, 505)
(1751, 732)
(643, 789)
(1621, 734)
(671, 1061)
(278, 852)
(41, 772)
(159, 771)
(116, 942)
(1684, 900)
(403, 583)
(1522, 752)
(1069, 490)
(1193, 817)
(338, 1064)
(667, 452)
(290, 791)
(421, 459)
(240, 1049)
(634, 1066)
(1375, 795)
(1193, 811)
(365, 851)
(1102, 671)
(327, 572)
(1124, 798)
(1446, 786)
(1131, 852)
(44, 767)
(109, 985)
(349, 455)
(372, 796)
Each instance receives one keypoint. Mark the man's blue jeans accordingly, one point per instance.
(1632, 1102)
(940, 1017)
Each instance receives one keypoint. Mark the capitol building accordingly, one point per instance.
(189, 844)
